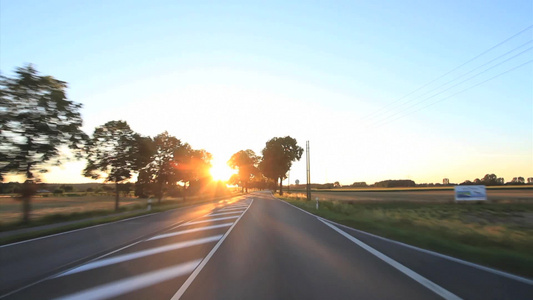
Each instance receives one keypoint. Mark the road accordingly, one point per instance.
(253, 247)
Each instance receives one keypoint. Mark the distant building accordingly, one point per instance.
(530, 180)
(446, 181)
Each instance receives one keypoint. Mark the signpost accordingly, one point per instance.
(470, 193)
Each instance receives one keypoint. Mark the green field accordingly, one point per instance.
(498, 235)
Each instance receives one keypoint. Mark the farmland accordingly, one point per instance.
(497, 233)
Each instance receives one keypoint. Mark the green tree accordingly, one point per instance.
(194, 166)
(114, 151)
(246, 162)
(278, 155)
(162, 170)
(36, 121)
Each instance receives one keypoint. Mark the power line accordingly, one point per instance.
(459, 92)
(469, 72)
(454, 69)
(451, 87)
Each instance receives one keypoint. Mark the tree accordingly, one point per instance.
(114, 150)
(278, 155)
(194, 166)
(490, 179)
(336, 184)
(245, 161)
(36, 121)
(163, 169)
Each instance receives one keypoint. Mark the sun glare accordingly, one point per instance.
(221, 171)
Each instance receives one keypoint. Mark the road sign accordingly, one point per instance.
(470, 192)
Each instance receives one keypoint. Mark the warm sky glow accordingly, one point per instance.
(221, 171)
(228, 76)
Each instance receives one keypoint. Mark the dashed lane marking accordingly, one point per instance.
(144, 253)
(210, 220)
(224, 213)
(171, 234)
(127, 285)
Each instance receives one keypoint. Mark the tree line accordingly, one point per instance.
(37, 121)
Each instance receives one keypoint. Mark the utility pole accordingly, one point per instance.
(308, 166)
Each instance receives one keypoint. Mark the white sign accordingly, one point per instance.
(470, 192)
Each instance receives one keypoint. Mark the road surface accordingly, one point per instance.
(253, 247)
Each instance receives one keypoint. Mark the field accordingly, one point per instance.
(416, 195)
(49, 206)
(497, 233)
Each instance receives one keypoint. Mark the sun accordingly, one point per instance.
(221, 171)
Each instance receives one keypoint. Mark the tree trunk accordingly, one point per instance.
(26, 208)
(116, 195)
(281, 186)
(160, 193)
(28, 190)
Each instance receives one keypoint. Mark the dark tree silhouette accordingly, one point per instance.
(278, 155)
(162, 170)
(246, 162)
(36, 120)
(116, 151)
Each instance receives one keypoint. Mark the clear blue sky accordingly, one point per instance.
(229, 75)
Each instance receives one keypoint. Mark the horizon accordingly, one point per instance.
(418, 91)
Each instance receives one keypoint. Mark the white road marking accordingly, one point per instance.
(191, 278)
(224, 213)
(127, 285)
(135, 255)
(75, 230)
(210, 220)
(437, 289)
(457, 260)
(231, 209)
(166, 235)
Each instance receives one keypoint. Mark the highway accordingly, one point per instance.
(249, 247)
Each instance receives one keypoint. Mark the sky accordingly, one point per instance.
(420, 90)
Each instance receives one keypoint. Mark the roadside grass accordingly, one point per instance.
(93, 217)
(498, 235)
(301, 188)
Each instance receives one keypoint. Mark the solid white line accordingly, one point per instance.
(224, 213)
(443, 256)
(191, 278)
(166, 235)
(127, 285)
(210, 220)
(135, 255)
(437, 289)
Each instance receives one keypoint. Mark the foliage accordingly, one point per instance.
(395, 183)
(278, 155)
(114, 150)
(246, 162)
(162, 170)
(36, 121)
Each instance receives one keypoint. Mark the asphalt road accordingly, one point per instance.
(253, 247)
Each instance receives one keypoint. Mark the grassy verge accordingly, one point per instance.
(91, 218)
(498, 235)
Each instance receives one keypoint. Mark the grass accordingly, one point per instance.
(498, 235)
(301, 188)
(89, 216)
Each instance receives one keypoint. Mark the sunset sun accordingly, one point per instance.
(221, 171)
